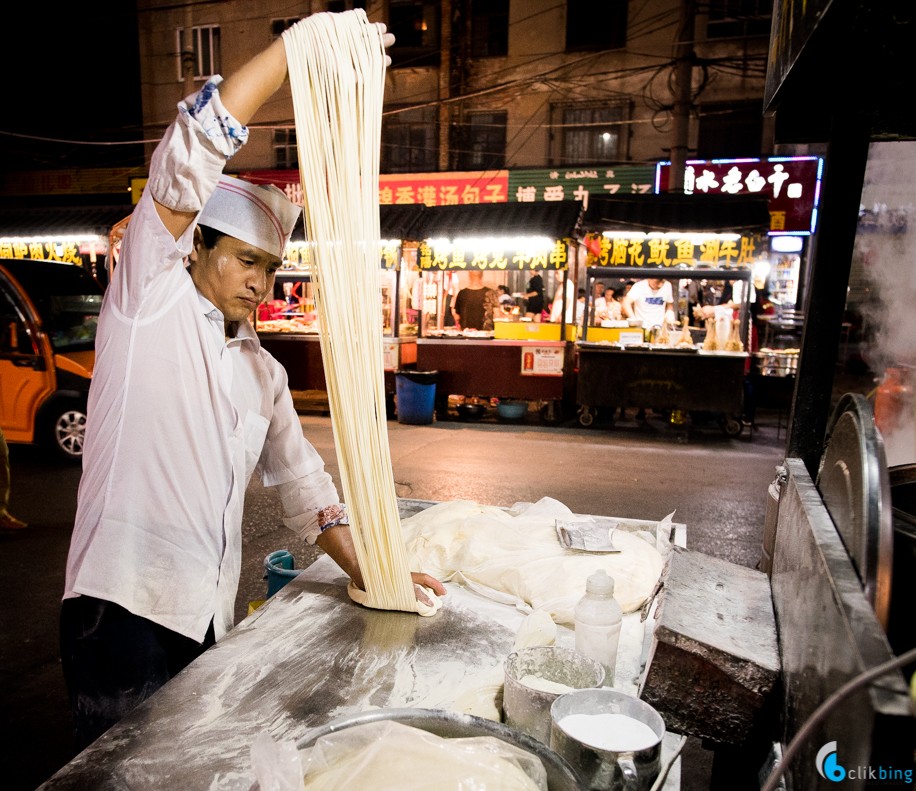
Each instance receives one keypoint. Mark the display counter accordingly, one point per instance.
(490, 368)
(306, 657)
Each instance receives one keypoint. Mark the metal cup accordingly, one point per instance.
(528, 709)
(602, 769)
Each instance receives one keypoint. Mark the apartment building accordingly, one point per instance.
(494, 84)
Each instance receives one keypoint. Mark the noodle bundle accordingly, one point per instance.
(337, 74)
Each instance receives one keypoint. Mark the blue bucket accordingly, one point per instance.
(281, 569)
(416, 392)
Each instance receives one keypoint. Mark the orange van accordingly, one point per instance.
(48, 317)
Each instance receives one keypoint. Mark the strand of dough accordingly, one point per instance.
(337, 76)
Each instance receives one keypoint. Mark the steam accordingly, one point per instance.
(886, 257)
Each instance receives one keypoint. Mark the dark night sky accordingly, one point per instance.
(71, 71)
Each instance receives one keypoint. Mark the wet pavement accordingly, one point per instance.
(715, 484)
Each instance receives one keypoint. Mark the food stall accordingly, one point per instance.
(288, 325)
(674, 367)
(518, 359)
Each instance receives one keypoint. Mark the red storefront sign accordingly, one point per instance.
(792, 185)
(433, 189)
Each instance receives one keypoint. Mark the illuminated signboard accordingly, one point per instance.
(490, 186)
(671, 249)
(67, 251)
(792, 185)
(298, 255)
(513, 256)
(530, 186)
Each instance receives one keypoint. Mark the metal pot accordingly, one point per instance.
(602, 769)
(450, 725)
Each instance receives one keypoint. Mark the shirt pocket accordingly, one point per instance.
(255, 433)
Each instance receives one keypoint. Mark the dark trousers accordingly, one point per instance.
(113, 660)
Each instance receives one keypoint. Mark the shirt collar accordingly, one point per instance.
(244, 330)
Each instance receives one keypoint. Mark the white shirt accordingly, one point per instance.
(649, 305)
(179, 417)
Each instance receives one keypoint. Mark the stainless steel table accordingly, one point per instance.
(307, 656)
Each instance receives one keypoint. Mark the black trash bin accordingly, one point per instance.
(416, 394)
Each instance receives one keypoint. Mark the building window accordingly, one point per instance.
(410, 142)
(286, 155)
(739, 18)
(337, 6)
(415, 25)
(732, 129)
(594, 25)
(590, 133)
(489, 28)
(199, 49)
(277, 26)
(480, 143)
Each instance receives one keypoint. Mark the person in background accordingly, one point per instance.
(534, 294)
(608, 307)
(506, 300)
(475, 304)
(184, 407)
(650, 301)
(7, 520)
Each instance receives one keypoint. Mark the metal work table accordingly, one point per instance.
(308, 656)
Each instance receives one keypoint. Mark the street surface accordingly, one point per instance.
(716, 485)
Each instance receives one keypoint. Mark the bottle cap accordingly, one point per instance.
(600, 583)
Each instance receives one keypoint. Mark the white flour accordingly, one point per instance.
(615, 732)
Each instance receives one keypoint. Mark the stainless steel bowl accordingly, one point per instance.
(451, 725)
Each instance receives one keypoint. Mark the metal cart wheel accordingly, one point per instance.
(586, 416)
(732, 425)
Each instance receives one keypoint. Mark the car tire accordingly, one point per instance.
(65, 430)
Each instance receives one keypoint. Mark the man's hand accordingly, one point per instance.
(387, 40)
(421, 581)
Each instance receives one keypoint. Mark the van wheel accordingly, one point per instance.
(66, 430)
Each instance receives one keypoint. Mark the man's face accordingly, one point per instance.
(235, 276)
(655, 283)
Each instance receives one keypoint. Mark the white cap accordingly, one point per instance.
(259, 214)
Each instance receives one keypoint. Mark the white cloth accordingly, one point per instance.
(179, 418)
(649, 305)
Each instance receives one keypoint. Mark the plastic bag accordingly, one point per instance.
(276, 765)
(390, 756)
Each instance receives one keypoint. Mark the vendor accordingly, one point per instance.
(184, 406)
(475, 304)
(650, 301)
(534, 294)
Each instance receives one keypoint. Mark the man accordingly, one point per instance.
(184, 406)
(475, 304)
(534, 294)
(650, 301)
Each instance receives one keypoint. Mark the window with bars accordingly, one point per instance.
(594, 25)
(410, 142)
(590, 133)
(739, 18)
(286, 155)
(199, 49)
(480, 143)
(416, 28)
(489, 28)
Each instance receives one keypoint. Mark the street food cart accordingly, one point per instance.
(679, 238)
(518, 359)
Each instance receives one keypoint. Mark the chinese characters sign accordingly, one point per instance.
(792, 185)
(664, 251)
(529, 186)
(556, 257)
(542, 361)
(66, 252)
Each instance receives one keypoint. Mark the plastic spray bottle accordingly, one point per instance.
(597, 623)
